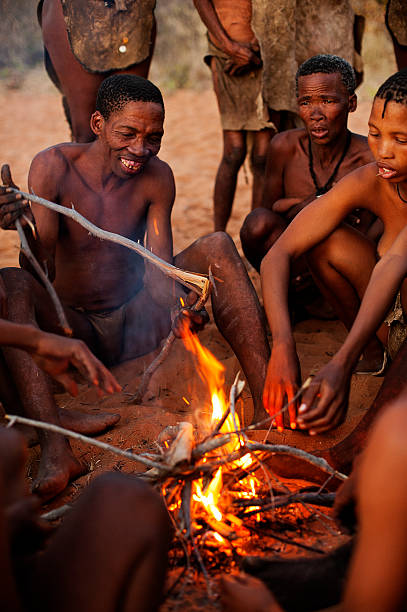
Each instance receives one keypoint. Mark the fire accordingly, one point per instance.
(209, 496)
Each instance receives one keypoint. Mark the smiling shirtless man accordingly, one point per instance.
(118, 305)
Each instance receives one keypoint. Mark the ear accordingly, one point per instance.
(353, 102)
(96, 123)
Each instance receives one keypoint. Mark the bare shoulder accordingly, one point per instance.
(159, 184)
(286, 142)
(54, 161)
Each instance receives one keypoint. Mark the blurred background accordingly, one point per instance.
(180, 46)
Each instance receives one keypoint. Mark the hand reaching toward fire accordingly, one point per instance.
(325, 402)
(242, 592)
(283, 374)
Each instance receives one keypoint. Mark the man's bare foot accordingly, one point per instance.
(58, 467)
(87, 424)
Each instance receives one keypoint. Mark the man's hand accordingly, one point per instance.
(241, 593)
(242, 57)
(12, 206)
(189, 321)
(325, 402)
(55, 354)
(283, 375)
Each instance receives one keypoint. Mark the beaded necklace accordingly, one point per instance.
(321, 190)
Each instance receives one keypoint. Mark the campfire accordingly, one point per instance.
(219, 486)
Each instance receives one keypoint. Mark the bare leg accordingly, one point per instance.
(77, 84)
(341, 267)
(28, 303)
(261, 228)
(261, 140)
(236, 308)
(234, 153)
(110, 554)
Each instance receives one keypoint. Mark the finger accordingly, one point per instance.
(107, 381)
(292, 407)
(324, 399)
(279, 418)
(329, 420)
(327, 424)
(191, 298)
(68, 382)
(6, 176)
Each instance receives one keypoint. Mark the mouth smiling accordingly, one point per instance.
(130, 165)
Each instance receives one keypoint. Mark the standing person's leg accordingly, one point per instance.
(110, 554)
(258, 157)
(236, 309)
(234, 153)
(341, 266)
(28, 302)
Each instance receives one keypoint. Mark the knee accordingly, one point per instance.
(320, 255)
(16, 279)
(258, 226)
(127, 500)
(234, 156)
(258, 162)
(219, 247)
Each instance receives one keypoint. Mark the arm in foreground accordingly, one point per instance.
(325, 402)
(56, 354)
(311, 226)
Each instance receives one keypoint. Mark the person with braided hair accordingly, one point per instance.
(341, 259)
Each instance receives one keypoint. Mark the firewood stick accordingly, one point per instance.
(166, 347)
(296, 452)
(25, 249)
(316, 499)
(13, 418)
(192, 280)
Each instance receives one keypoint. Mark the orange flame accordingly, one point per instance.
(211, 371)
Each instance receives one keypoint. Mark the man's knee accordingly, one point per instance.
(234, 156)
(218, 246)
(124, 499)
(16, 280)
(259, 225)
(258, 162)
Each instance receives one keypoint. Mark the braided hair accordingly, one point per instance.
(119, 89)
(394, 89)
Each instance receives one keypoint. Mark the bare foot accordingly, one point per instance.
(85, 423)
(58, 467)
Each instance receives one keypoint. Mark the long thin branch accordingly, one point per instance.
(192, 280)
(13, 418)
(25, 249)
(283, 449)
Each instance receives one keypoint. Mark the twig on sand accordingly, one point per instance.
(137, 398)
(73, 434)
(192, 280)
(25, 249)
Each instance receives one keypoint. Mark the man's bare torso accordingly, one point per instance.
(90, 273)
(297, 178)
(235, 17)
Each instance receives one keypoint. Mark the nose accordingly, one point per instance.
(316, 112)
(138, 147)
(385, 148)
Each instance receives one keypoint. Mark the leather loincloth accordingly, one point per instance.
(397, 327)
(111, 35)
(241, 106)
(396, 20)
(291, 31)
